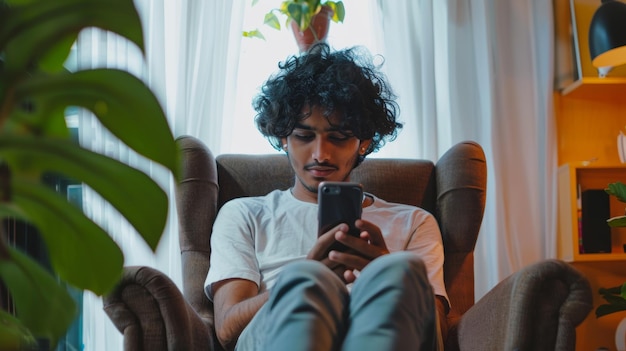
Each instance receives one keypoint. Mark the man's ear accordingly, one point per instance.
(283, 141)
(363, 145)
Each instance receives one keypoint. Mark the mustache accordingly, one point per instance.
(319, 164)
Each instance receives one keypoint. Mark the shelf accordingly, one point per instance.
(596, 88)
(600, 257)
(580, 176)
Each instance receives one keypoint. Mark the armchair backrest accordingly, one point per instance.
(453, 190)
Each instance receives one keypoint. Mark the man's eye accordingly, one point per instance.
(303, 136)
(339, 137)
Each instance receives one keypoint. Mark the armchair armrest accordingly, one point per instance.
(152, 314)
(536, 308)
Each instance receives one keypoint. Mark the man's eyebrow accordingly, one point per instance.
(302, 126)
(305, 127)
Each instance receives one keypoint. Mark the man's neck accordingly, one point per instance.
(303, 194)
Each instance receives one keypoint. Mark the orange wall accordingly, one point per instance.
(588, 123)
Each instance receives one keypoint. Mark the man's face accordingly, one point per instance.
(320, 152)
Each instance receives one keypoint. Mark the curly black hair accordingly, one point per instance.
(345, 81)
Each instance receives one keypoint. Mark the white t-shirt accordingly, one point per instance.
(254, 237)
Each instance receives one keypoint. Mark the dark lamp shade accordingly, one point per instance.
(607, 34)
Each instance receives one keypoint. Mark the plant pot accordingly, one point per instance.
(317, 30)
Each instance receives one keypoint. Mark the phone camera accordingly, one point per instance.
(331, 189)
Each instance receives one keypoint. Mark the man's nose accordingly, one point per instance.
(321, 151)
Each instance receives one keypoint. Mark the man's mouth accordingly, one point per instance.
(320, 171)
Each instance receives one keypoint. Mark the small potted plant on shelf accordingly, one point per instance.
(615, 296)
(309, 19)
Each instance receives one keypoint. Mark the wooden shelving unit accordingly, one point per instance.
(590, 112)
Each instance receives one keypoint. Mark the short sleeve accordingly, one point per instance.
(232, 247)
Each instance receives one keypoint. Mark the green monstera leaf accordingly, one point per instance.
(44, 307)
(133, 113)
(36, 37)
(615, 298)
(617, 189)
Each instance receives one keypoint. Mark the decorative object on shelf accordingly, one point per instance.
(607, 36)
(621, 147)
(595, 209)
(308, 19)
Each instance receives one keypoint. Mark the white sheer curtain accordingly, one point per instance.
(100, 49)
(482, 70)
(204, 84)
(183, 66)
(463, 69)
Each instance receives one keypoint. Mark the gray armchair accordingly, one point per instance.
(537, 308)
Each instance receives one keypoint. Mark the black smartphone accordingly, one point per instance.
(339, 202)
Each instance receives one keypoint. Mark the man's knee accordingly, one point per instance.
(311, 276)
(403, 270)
(401, 261)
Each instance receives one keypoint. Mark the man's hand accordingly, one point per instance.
(361, 251)
(368, 246)
(319, 252)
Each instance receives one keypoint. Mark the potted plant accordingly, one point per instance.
(308, 19)
(35, 39)
(615, 296)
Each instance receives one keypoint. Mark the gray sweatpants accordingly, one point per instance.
(391, 306)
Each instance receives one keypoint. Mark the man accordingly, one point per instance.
(274, 283)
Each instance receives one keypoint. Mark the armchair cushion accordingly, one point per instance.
(536, 308)
(147, 307)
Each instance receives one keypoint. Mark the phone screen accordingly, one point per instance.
(339, 202)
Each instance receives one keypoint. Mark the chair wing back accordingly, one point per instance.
(252, 175)
(196, 202)
(404, 181)
(399, 180)
(461, 193)
(453, 190)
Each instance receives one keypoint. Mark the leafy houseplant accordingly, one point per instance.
(615, 296)
(301, 13)
(35, 40)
